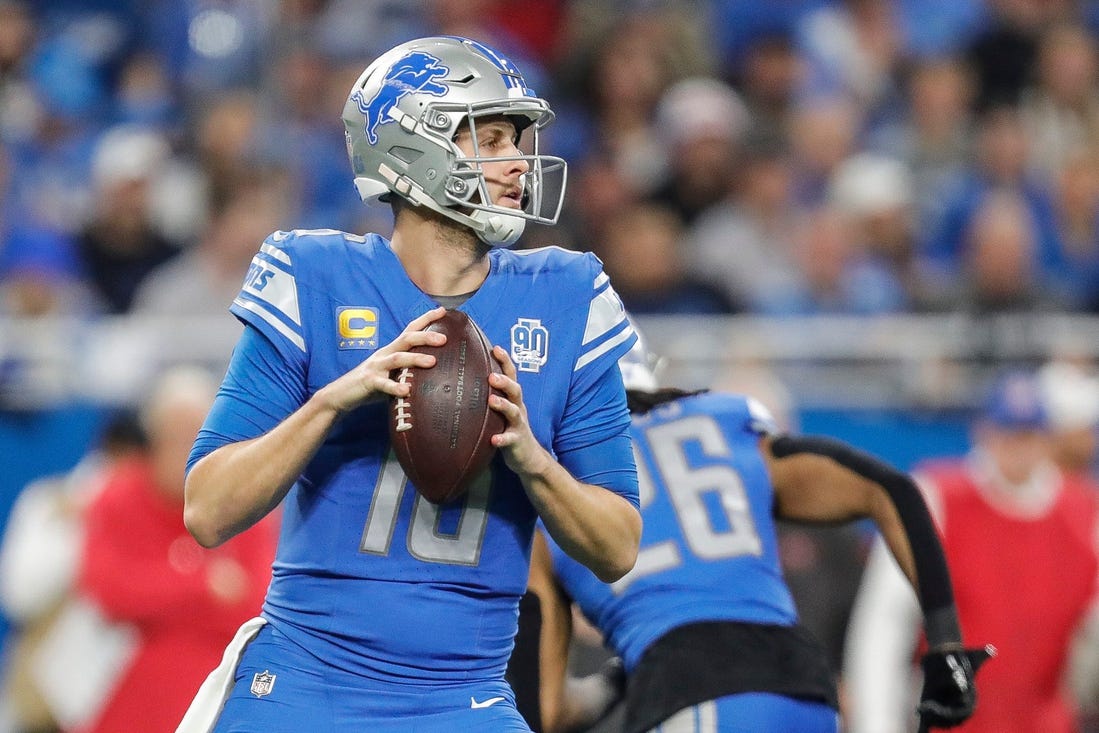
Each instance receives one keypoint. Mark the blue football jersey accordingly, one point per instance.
(369, 576)
(708, 548)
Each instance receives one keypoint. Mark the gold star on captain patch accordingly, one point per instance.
(343, 344)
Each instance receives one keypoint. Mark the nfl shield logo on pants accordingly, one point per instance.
(262, 683)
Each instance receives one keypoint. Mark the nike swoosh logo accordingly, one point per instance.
(486, 704)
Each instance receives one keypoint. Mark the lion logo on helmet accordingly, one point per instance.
(415, 72)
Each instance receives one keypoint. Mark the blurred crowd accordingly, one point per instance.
(727, 156)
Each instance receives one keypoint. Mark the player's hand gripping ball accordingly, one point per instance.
(442, 431)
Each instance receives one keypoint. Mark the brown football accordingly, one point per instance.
(441, 432)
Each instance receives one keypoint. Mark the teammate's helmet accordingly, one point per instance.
(639, 365)
(401, 118)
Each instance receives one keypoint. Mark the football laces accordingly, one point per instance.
(403, 409)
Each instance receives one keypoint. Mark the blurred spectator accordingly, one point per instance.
(1002, 165)
(40, 278)
(1003, 55)
(1074, 277)
(306, 139)
(852, 49)
(18, 107)
(699, 124)
(40, 274)
(875, 193)
(144, 96)
(39, 557)
(612, 82)
(209, 48)
(1020, 539)
(356, 31)
(641, 253)
(227, 136)
(836, 276)
(937, 28)
(121, 243)
(824, 131)
(746, 243)
(738, 25)
(935, 136)
(596, 190)
(1060, 109)
(140, 566)
(768, 79)
(999, 269)
(811, 263)
(57, 114)
(1070, 390)
(204, 279)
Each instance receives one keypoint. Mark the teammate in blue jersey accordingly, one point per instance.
(387, 612)
(704, 624)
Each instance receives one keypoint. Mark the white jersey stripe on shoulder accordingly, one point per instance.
(275, 286)
(592, 354)
(600, 280)
(320, 231)
(275, 253)
(536, 250)
(604, 315)
(272, 320)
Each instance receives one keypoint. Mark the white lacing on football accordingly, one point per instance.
(404, 417)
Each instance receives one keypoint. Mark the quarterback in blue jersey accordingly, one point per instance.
(387, 612)
(705, 625)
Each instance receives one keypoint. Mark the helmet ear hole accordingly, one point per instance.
(405, 154)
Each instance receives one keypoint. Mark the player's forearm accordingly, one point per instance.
(908, 530)
(595, 526)
(235, 486)
(891, 498)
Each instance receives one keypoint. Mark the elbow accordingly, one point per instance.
(201, 529)
(201, 516)
(202, 525)
(613, 572)
(620, 560)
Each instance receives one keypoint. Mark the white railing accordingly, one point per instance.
(821, 361)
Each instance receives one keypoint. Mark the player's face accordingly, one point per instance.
(497, 138)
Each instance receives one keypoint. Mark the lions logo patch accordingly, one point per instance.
(529, 344)
(416, 72)
(262, 683)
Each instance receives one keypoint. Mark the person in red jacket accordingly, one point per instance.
(140, 566)
(1020, 540)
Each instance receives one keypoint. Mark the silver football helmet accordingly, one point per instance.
(401, 118)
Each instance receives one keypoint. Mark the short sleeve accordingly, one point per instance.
(608, 333)
(268, 299)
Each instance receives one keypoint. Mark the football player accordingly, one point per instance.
(387, 612)
(705, 624)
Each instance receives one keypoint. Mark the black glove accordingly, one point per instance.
(949, 690)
